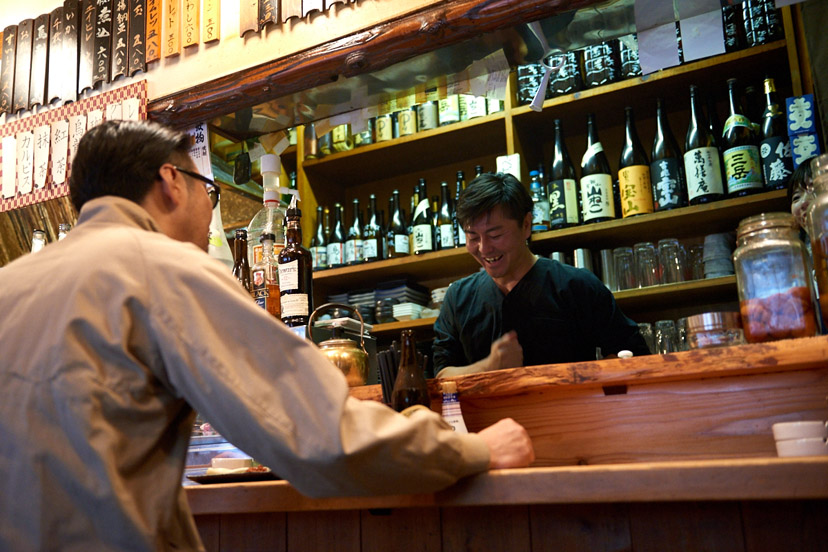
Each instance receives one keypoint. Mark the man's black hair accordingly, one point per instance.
(489, 190)
(122, 158)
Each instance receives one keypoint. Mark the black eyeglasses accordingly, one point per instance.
(210, 185)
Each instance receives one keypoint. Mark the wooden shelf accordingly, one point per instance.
(686, 222)
(391, 328)
(430, 148)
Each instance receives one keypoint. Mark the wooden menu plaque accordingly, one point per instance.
(54, 79)
(291, 8)
(86, 63)
(190, 24)
(120, 36)
(7, 59)
(210, 20)
(23, 64)
(71, 49)
(137, 45)
(268, 13)
(103, 43)
(172, 28)
(312, 5)
(153, 37)
(40, 61)
(248, 16)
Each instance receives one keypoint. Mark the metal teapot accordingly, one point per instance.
(342, 352)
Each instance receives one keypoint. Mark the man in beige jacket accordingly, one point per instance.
(114, 337)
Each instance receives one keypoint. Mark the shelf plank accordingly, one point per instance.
(441, 146)
(390, 328)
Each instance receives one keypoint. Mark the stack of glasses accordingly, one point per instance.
(718, 255)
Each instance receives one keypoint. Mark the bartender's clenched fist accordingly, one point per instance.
(509, 445)
(506, 352)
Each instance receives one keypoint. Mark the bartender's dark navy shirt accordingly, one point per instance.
(560, 313)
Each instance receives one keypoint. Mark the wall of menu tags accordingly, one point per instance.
(36, 152)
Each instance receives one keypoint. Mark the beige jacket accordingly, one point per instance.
(112, 337)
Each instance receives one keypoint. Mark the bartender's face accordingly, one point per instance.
(498, 242)
(198, 206)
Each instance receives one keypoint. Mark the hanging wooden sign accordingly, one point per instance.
(268, 13)
(7, 68)
(103, 43)
(137, 45)
(86, 63)
(54, 80)
(120, 36)
(153, 37)
(172, 28)
(71, 49)
(191, 26)
(312, 5)
(23, 64)
(291, 8)
(40, 61)
(248, 16)
(210, 20)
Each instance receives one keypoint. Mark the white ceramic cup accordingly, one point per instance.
(814, 446)
(231, 463)
(800, 430)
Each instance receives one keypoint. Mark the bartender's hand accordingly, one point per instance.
(506, 352)
(509, 445)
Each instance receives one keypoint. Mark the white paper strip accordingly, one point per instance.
(114, 112)
(60, 149)
(94, 118)
(702, 36)
(199, 152)
(77, 128)
(691, 8)
(42, 141)
(653, 13)
(25, 160)
(657, 48)
(130, 109)
(9, 166)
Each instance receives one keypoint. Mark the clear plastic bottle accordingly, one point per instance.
(271, 217)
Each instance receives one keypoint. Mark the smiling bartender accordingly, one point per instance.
(521, 310)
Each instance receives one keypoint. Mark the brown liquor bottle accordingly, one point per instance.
(410, 386)
(295, 274)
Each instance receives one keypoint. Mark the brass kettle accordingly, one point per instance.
(342, 352)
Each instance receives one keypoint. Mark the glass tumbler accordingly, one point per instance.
(646, 331)
(672, 261)
(624, 268)
(666, 337)
(646, 264)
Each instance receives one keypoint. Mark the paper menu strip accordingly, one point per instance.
(130, 109)
(94, 118)
(25, 161)
(114, 112)
(77, 128)
(9, 144)
(60, 150)
(42, 140)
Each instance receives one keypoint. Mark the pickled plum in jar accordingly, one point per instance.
(779, 316)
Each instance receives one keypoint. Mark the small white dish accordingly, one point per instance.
(800, 430)
(813, 446)
(231, 463)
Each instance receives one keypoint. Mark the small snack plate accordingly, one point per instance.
(203, 478)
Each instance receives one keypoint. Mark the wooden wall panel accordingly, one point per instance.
(486, 529)
(209, 528)
(252, 532)
(580, 528)
(805, 525)
(686, 527)
(323, 531)
(401, 530)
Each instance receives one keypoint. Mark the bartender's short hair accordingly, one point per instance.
(123, 158)
(801, 178)
(489, 190)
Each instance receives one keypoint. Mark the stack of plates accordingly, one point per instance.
(407, 311)
(437, 295)
(362, 297)
(403, 291)
(717, 255)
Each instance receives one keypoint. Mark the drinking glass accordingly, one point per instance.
(608, 270)
(582, 258)
(624, 268)
(672, 261)
(646, 331)
(646, 264)
(666, 337)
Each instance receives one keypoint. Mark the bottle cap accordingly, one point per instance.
(270, 195)
(267, 236)
(270, 163)
(449, 387)
(625, 354)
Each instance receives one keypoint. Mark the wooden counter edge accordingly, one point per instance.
(730, 479)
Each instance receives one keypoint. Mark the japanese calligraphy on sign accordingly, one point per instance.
(153, 38)
(60, 149)
(41, 155)
(191, 23)
(210, 20)
(172, 28)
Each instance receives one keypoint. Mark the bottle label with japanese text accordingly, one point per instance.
(635, 189)
(294, 304)
(289, 276)
(666, 179)
(446, 236)
(319, 254)
(422, 238)
(703, 172)
(736, 121)
(777, 162)
(743, 168)
(401, 244)
(353, 251)
(596, 197)
(369, 248)
(563, 202)
(335, 254)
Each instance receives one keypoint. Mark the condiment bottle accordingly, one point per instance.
(410, 386)
(451, 407)
(772, 275)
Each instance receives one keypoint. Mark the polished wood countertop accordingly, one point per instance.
(739, 479)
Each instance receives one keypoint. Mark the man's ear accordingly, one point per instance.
(170, 186)
(526, 227)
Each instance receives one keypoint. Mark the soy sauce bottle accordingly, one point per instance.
(410, 387)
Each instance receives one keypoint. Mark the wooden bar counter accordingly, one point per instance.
(666, 452)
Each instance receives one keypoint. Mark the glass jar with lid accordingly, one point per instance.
(772, 274)
(714, 329)
(817, 222)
